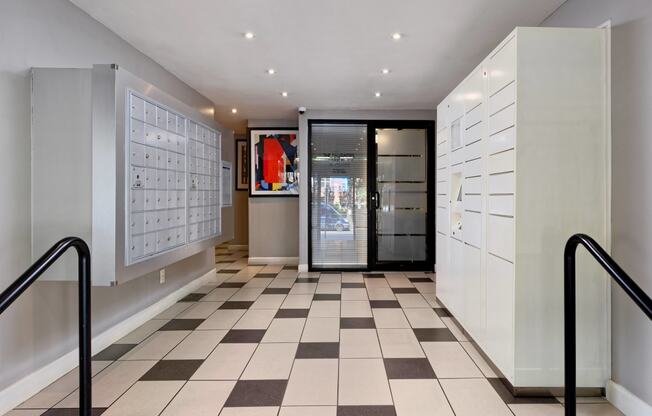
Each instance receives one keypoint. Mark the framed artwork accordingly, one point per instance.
(274, 162)
(241, 166)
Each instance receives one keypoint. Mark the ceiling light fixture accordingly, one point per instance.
(385, 71)
(284, 93)
(234, 110)
(397, 36)
(378, 94)
(249, 35)
(271, 71)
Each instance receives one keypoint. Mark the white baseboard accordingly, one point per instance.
(31, 384)
(274, 260)
(303, 268)
(625, 401)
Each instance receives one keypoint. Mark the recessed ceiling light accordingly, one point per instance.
(397, 36)
(377, 94)
(234, 110)
(284, 93)
(385, 71)
(249, 35)
(271, 71)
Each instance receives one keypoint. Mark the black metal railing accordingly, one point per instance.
(41, 265)
(630, 287)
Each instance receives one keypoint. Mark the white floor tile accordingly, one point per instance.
(325, 309)
(449, 360)
(220, 294)
(139, 334)
(478, 360)
(222, 319)
(268, 302)
(173, 310)
(247, 294)
(297, 302)
(457, 332)
(199, 398)
(250, 411)
(363, 382)
(271, 362)
(359, 343)
(285, 330)
(200, 310)
(399, 343)
(537, 409)
(157, 346)
(390, 318)
(308, 411)
(381, 293)
(485, 401)
(303, 289)
(419, 398)
(411, 300)
(321, 330)
(328, 288)
(356, 309)
(354, 294)
(145, 398)
(423, 318)
(226, 362)
(197, 346)
(312, 382)
(256, 319)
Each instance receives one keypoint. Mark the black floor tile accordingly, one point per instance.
(443, 313)
(243, 336)
(404, 290)
(307, 280)
(232, 285)
(63, 411)
(290, 267)
(276, 291)
(327, 296)
(229, 271)
(374, 275)
(181, 325)
(236, 305)
(265, 275)
(434, 334)
(420, 280)
(357, 323)
(256, 393)
(292, 313)
(353, 286)
(172, 370)
(408, 368)
(331, 272)
(366, 411)
(318, 350)
(508, 398)
(193, 297)
(384, 304)
(113, 352)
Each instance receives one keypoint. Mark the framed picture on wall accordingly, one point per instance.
(241, 166)
(274, 162)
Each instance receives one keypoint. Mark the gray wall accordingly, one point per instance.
(274, 222)
(41, 326)
(303, 152)
(631, 173)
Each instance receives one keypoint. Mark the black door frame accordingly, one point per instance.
(372, 125)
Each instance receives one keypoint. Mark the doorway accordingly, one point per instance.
(371, 197)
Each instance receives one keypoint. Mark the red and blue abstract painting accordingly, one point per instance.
(275, 162)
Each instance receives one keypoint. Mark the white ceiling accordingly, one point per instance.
(327, 53)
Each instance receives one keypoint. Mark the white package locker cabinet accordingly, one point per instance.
(529, 126)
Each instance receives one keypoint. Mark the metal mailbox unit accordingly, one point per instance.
(130, 169)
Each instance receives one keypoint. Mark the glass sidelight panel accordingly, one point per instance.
(401, 182)
(338, 180)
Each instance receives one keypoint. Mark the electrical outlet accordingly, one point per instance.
(161, 276)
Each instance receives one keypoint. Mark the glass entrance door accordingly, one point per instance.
(401, 197)
(338, 196)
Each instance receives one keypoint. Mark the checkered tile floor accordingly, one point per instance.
(269, 341)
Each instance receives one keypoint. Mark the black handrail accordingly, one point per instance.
(630, 287)
(26, 279)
